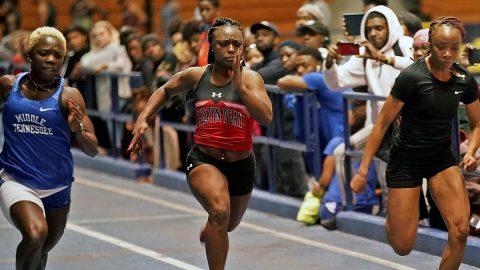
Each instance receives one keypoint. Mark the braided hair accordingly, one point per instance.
(217, 24)
(446, 20)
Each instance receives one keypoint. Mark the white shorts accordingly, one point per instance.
(12, 192)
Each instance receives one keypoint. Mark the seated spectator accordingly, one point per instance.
(266, 39)
(410, 23)
(324, 7)
(252, 55)
(133, 15)
(309, 12)
(187, 49)
(106, 54)
(164, 62)
(308, 63)
(316, 35)
(77, 46)
(174, 110)
(209, 11)
(139, 61)
(83, 11)
(288, 51)
(333, 190)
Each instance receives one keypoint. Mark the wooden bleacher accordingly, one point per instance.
(281, 12)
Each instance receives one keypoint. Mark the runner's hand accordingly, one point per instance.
(136, 146)
(237, 70)
(469, 162)
(75, 117)
(358, 183)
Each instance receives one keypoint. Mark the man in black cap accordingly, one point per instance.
(288, 181)
(316, 35)
(266, 38)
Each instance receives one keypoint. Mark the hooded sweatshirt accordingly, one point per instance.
(379, 77)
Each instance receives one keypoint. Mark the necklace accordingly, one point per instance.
(41, 86)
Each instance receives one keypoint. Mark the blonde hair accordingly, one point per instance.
(114, 34)
(45, 31)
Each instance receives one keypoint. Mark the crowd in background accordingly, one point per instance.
(96, 47)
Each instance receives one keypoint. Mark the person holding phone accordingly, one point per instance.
(220, 167)
(427, 95)
(40, 115)
(387, 52)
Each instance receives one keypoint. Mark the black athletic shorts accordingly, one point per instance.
(240, 174)
(406, 169)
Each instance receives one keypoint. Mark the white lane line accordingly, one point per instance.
(330, 248)
(258, 228)
(132, 247)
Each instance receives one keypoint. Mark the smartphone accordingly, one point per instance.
(348, 48)
(474, 56)
(352, 23)
(475, 221)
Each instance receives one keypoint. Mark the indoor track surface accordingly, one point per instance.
(120, 224)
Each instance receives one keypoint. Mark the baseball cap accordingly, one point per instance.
(264, 25)
(314, 26)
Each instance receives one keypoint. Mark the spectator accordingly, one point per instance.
(271, 69)
(82, 12)
(387, 52)
(409, 22)
(308, 63)
(309, 12)
(77, 46)
(46, 12)
(368, 4)
(133, 15)
(333, 190)
(252, 55)
(316, 35)
(288, 51)
(10, 17)
(106, 54)
(266, 38)
(191, 41)
(174, 111)
(139, 61)
(164, 62)
(209, 11)
(324, 8)
(169, 13)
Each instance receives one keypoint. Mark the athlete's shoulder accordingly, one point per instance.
(251, 74)
(416, 70)
(191, 74)
(6, 84)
